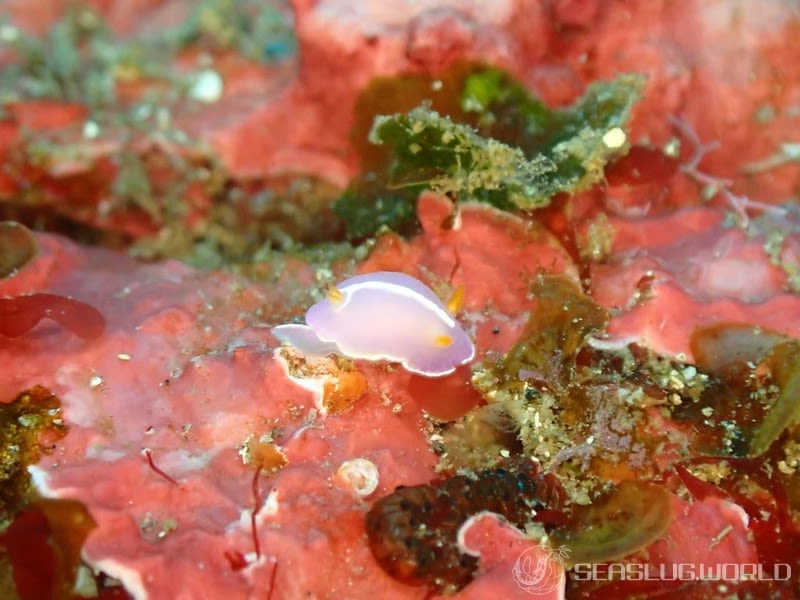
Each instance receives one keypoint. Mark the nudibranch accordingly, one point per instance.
(383, 316)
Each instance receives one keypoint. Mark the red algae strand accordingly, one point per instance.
(235, 559)
(148, 455)
(258, 501)
(20, 314)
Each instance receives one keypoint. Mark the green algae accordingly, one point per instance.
(452, 159)
(370, 203)
(627, 519)
(442, 92)
(572, 139)
(477, 134)
(371, 206)
(784, 363)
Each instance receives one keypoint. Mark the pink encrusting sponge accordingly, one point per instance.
(383, 316)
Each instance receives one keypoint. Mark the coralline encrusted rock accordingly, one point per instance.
(186, 374)
(275, 121)
(668, 275)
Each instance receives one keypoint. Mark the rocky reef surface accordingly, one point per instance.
(603, 193)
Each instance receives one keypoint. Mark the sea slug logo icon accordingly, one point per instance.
(540, 569)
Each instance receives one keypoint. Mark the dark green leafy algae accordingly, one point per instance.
(522, 153)
(369, 206)
(370, 202)
(450, 158)
(497, 145)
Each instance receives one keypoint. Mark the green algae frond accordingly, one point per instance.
(498, 145)
(453, 159)
(519, 153)
(632, 516)
(522, 153)
(784, 362)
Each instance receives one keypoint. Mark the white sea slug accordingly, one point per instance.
(383, 316)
